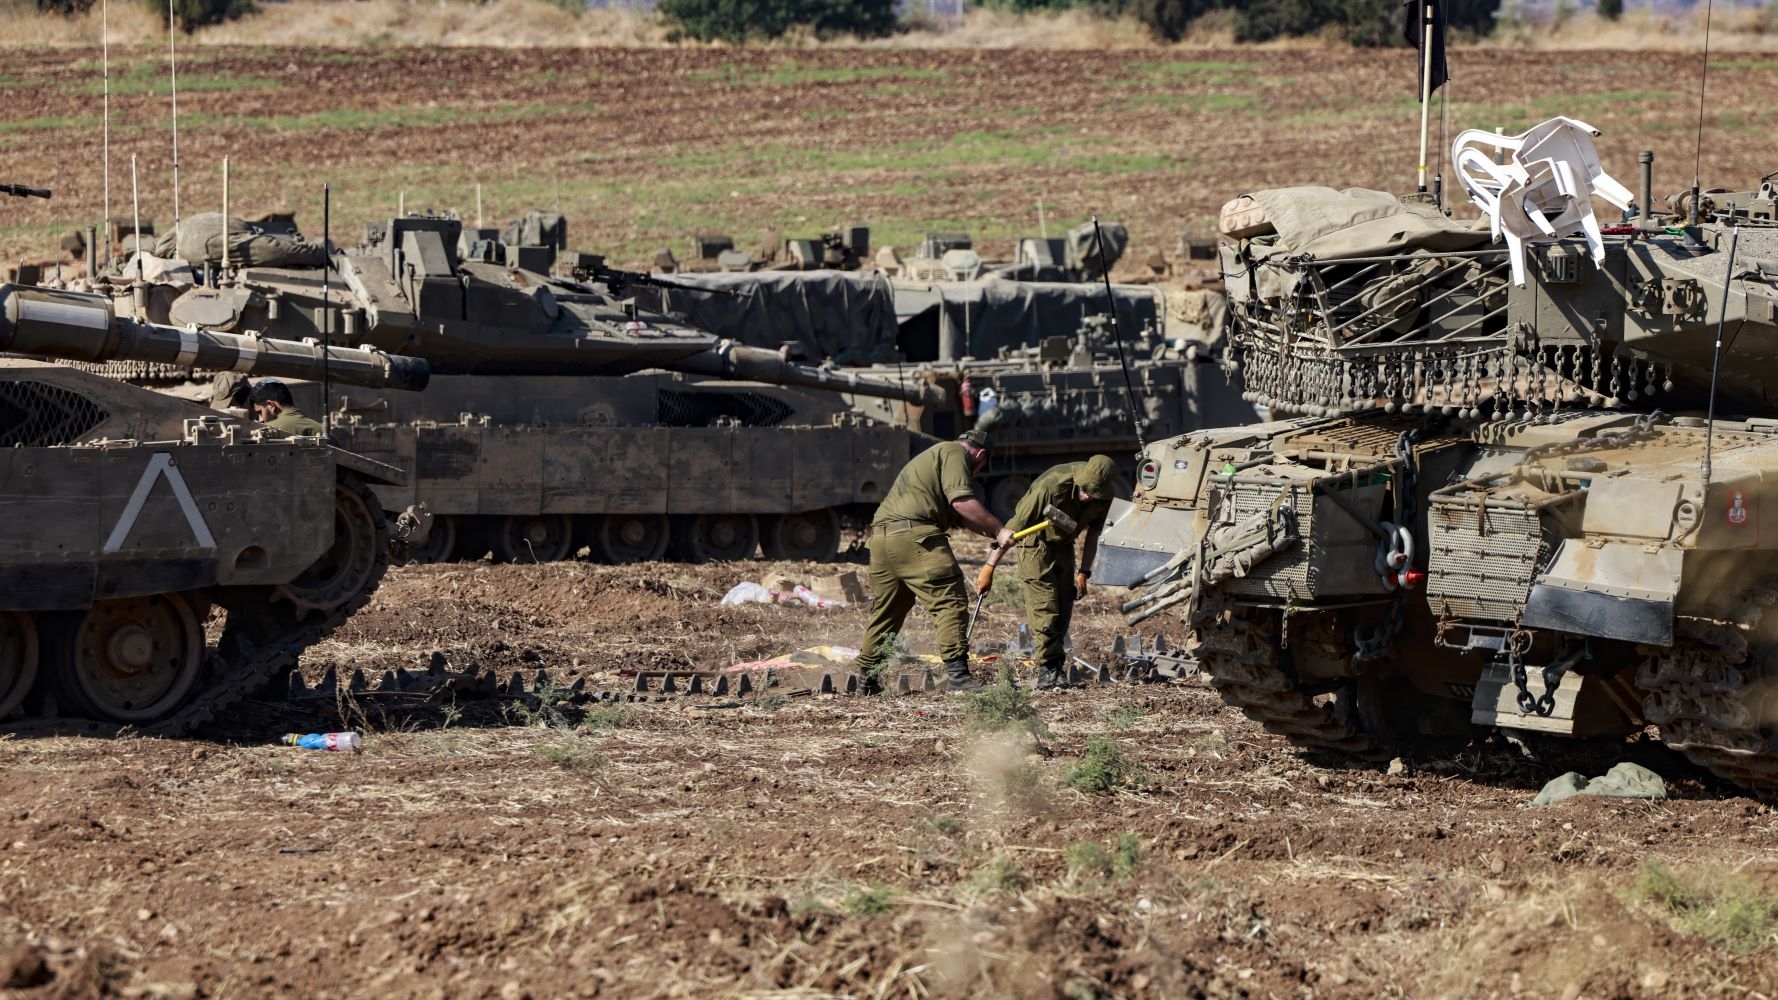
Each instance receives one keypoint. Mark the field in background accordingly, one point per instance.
(642, 146)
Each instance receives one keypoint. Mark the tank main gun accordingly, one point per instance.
(80, 327)
(411, 292)
(21, 191)
(592, 267)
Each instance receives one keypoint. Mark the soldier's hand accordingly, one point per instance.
(1080, 582)
(1003, 539)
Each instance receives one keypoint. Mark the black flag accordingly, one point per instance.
(1416, 13)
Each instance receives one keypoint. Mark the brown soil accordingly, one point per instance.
(814, 846)
(640, 147)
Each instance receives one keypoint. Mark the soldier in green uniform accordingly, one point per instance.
(911, 558)
(274, 407)
(1082, 490)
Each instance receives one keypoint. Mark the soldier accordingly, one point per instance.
(274, 407)
(1082, 490)
(232, 393)
(911, 558)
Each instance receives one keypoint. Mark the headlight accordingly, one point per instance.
(1148, 474)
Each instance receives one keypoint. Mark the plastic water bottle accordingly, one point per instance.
(324, 741)
(986, 400)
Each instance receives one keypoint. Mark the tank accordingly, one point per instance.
(158, 559)
(560, 414)
(1483, 505)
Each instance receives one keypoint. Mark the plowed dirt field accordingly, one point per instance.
(823, 846)
(642, 147)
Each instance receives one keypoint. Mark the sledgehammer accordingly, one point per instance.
(1052, 517)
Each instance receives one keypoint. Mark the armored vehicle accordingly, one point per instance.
(157, 559)
(1537, 507)
(538, 436)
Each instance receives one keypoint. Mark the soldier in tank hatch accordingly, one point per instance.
(911, 558)
(274, 407)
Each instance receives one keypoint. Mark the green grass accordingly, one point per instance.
(1103, 769)
(361, 119)
(999, 875)
(1724, 910)
(152, 78)
(803, 74)
(868, 901)
(1091, 862)
(1123, 718)
(1004, 707)
(572, 754)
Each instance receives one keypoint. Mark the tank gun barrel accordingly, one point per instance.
(730, 360)
(79, 327)
(21, 191)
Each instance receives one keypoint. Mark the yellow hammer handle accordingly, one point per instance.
(1019, 536)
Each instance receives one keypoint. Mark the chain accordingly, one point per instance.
(1642, 427)
(1552, 678)
(1373, 645)
(1528, 703)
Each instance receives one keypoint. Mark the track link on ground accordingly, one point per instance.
(1239, 649)
(263, 637)
(1705, 694)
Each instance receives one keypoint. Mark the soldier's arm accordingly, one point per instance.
(1089, 549)
(977, 517)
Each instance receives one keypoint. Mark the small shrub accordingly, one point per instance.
(1003, 707)
(1000, 875)
(1089, 861)
(743, 20)
(1021, 786)
(1124, 718)
(1102, 769)
(946, 824)
(868, 901)
(1731, 915)
(571, 755)
(607, 717)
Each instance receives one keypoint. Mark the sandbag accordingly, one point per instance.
(199, 240)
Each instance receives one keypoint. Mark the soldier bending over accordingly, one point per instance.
(1082, 490)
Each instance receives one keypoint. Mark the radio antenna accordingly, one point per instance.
(326, 305)
(105, 68)
(1117, 338)
(1722, 314)
(1698, 159)
(173, 88)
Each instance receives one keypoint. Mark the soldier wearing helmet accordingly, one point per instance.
(911, 558)
(1082, 490)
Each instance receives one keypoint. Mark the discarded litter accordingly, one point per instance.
(324, 741)
(748, 592)
(1624, 781)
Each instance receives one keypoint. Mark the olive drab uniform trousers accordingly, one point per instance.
(1046, 559)
(911, 559)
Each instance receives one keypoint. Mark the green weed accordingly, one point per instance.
(1103, 769)
(571, 755)
(607, 717)
(1090, 861)
(1726, 912)
(868, 901)
(1004, 707)
(999, 875)
(946, 824)
(1021, 786)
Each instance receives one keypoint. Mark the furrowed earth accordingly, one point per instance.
(816, 846)
(830, 845)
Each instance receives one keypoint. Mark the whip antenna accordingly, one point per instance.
(105, 64)
(173, 88)
(1722, 315)
(326, 305)
(1117, 338)
(1698, 158)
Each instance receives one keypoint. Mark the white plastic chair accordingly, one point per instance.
(1545, 187)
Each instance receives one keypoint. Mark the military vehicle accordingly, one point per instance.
(136, 522)
(537, 437)
(1037, 363)
(1538, 508)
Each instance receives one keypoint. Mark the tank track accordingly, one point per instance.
(1704, 693)
(263, 637)
(1240, 651)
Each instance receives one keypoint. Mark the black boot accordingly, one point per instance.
(1051, 677)
(870, 680)
(958, 677)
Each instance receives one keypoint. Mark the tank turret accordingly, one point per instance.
(79, 327)
(1521, 487)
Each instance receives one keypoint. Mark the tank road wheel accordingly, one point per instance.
(811, 536)
(1238, 648)
(354, 562)
(629, 538)
(702, 538)
(532, 538)
(472, 538)
(440, 544)
(18, 658)
(133, 659)
(1004, 495)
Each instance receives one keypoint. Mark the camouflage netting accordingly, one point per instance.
(825, 314)
(199, 239)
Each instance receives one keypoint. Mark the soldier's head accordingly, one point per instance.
(230, 391)
(977, 446)
(1096, 482)
(270, 398)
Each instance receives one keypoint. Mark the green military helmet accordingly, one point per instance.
(978, 439)
(1096, 481)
